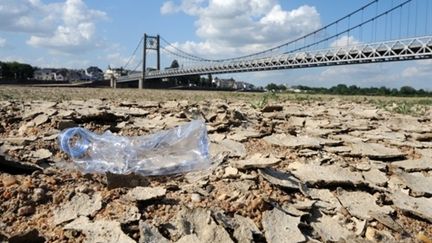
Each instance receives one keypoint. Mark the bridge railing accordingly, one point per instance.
(410, 47)
(396, 50)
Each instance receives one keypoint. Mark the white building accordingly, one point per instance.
(45, 74)
(224, 83)
(113, 73)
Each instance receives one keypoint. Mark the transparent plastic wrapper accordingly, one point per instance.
(181, 149)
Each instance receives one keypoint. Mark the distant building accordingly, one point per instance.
(45, 74)
(240, 85)
(294, 90)
(224, 83)
(63, 74)
(113, 73)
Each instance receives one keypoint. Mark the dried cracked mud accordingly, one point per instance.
(293, 171)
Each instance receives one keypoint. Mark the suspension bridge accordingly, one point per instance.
(379, 31)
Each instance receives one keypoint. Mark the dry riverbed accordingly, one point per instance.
(290, 169)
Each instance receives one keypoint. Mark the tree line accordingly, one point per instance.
(342, 89)
(16, 71)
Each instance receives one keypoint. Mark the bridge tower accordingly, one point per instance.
(150, 43)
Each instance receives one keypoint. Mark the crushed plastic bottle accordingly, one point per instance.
(181, 149)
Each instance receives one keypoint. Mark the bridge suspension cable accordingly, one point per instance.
(185, 54)
(134, 53)
(373, 33)
(352, 28)
(289, 42)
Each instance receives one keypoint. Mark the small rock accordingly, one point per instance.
(41, 154)
(50, 138)
(326, 200)
(338, 149)
(236, 149)
(195, 197)
(387, 221)
(244, 135)
(363, 166)
(40, 119)
(65, 113)
(217, 137)
(272, 108)
(293, 142)
(145, 193)
(359, 204)
(280, 226)
(370, 234)
(366, 113)
(230, 172)
(419, 184)
(360, 225)
(26, 210)
(99, 230)
(200, 222)
(170, 104)
(375, 151)
(80, 205)
(20, 140)
(330, 229)
(256, 161)
(23, 129)
(278, 178)
(422, 164)
(82, 189)
(147, 104)
(150, 234)
(421, 207)
(423, 238)
(9, 180)
(122, 211)
(375, 177)
(38, 195)
(122, 125)
(222, 197)
(378, 236)
(329, 174)
(244, 229)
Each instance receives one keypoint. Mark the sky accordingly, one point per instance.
(78, 34)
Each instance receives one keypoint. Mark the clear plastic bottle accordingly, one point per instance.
(181, 149)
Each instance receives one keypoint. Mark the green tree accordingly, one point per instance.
(282, 87)
(16, 70)
(272, 86)
(174, 64)
(407, 90)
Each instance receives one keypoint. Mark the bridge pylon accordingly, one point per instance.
(150, 43)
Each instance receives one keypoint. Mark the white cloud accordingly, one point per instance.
(344, 41)
(168, 8)
(421, 68)
(68, 26)
(236, 27)
(29, 16)
(2, 42)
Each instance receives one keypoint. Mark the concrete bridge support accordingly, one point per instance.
(113, 83)
(141, 83)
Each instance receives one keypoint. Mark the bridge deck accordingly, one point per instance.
(397, 50)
